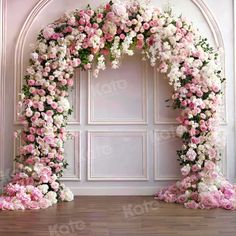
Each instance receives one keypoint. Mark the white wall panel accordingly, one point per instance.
(117, 155)
(72, 155)
(166, 166)
(119, 96)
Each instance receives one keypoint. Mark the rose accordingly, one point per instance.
(181, 130)
(119, 9)
(55, 185)
(191, 204)
(191, 154)
(209, 165)
(52, 197)
(67, 195)
(43, 188)
(202, 187)
(185, 170)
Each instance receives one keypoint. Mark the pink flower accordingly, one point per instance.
(146, 26)
(191, 204)
(208, 201)
(181, 198)
(31, 82)
(226, 204)
(70, 82)
(44, 203)
(140, 44)
(209, 165)
(31, 137)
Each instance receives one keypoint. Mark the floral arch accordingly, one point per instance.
(82, 37)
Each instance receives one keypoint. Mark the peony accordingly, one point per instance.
(181, 130)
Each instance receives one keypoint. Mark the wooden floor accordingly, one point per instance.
(118, 216)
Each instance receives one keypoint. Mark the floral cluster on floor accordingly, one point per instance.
(82, 37)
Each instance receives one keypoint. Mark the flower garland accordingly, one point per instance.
(83, 37)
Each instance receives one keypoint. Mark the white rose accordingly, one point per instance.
(181, 130)
(64, 103)
(43, 188)
(69, 196)
(42, 47)
(58, 120)
(52, 197)
(202, 187)
(212, 188)
(185, 170)
(119, 9)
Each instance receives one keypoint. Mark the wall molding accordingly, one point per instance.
(144, 176)
(143, 120)
(158, 177)
(3, 10)
(77, 158)
(116, 191)
(76, 99)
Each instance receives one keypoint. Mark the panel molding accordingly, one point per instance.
(3, 10)
(158, 177)
(76, 96)
(155, 104)
(116, 191)
(77, 158)
(91, 105)
(90, 177)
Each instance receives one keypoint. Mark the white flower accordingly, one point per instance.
(43, 188)
(181, 130)
(170, 30)
(68, 195)
(58, 120)
(28, 112)
(42, 47)
(119, 9)
(34, 56)
(185, 170)
(52, 197)
(64, 103)
(202, 187)
(95, 41)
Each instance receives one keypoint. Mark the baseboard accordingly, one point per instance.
(116, 191)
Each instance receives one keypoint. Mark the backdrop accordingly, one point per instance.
(124, 133)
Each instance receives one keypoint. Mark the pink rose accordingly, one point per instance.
(209, 165)
(191, 204)
(31, 137)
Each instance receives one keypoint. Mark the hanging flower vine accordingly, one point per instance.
(82, 37)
